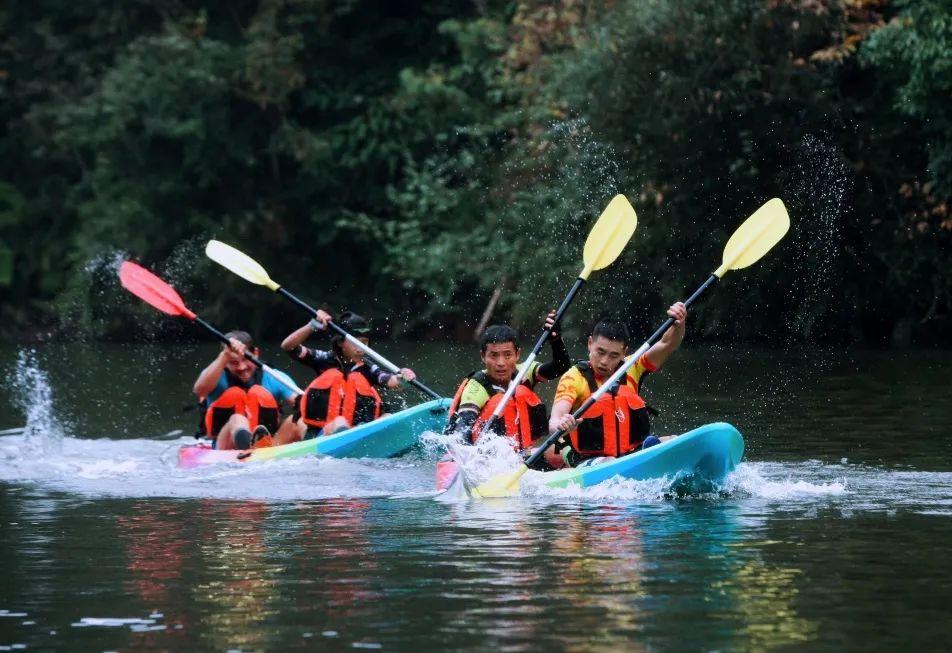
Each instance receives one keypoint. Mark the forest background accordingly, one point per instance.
(408, 160)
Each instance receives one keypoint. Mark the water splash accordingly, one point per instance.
(106, 264)
(490, 456)
(753, 480)
(33, 394)
(614, 490)
(180, 266)
(820, 189)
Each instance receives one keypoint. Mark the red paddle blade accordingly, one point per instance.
(152, 290)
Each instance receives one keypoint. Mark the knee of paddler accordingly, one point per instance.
(650, 441)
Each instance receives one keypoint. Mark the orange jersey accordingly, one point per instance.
(574, 388)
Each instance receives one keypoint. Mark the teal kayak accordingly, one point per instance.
(704, 455)
(383, 438)
(707, 453)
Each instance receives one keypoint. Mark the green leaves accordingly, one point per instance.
(407, 157)
(914, 53)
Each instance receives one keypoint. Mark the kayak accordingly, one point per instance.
(383, 438)
(707, 453)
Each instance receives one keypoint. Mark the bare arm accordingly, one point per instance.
(671, 339)
(298, 337)
(208, 378)
(561, 417)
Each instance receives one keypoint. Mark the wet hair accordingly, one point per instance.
(241, 336)
(498, 334)
(611, 330)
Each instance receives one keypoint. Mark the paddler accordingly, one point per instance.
(344, 393)
(241, 402)
(618, 423)
(524, 418)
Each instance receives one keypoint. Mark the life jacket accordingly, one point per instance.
(254, 402)
(616, 424)
(524, 416)
(337, 394)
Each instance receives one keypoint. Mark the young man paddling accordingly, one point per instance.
(241, 401)
(617, 423)
(344, 393)
(523, 418)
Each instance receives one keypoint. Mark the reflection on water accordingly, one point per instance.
(513, 575)
(608, 549)
(237, 588)
(767, 597)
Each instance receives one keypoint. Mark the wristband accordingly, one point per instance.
(315, 325)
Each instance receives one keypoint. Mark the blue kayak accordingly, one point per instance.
(707, 453)
(381, 438)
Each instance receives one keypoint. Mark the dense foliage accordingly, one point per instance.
(408, 159)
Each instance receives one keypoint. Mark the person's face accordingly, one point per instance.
(500, 360)
(239, 366)
(605, 355)
(351, 351)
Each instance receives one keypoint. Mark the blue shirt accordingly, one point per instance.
(268, 382)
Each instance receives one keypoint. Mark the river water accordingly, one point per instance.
(832, 535)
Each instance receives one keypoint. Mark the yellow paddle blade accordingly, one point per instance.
(759, 233)
(609, 235)
(504, 485)
(239, 263)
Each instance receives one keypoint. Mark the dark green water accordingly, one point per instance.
(834, 535)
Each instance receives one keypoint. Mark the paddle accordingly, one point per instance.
(754, 238)
(152, 290)
(16, 430)
(250, 270)
(606, 240)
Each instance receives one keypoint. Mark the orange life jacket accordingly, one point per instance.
(616, 424)
(335, 394)
(255, 403)
(524, 416)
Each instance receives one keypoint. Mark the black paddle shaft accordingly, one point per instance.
(655, 337)
(221, 336)
(313, 311)
(540, 343)
(558, 314)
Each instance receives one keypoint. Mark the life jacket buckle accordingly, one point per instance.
(620, 415)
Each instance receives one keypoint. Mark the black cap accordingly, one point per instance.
(353, 323)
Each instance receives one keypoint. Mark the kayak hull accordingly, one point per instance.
(383, 438)
(707, 453)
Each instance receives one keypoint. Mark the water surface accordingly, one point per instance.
(833, 535)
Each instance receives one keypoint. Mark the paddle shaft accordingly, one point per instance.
(619, 373)
(254, 359)
(540, 343)
(393, 369)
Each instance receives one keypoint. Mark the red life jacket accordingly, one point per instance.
(334, 394)
(255, 403)
(616, 424)
(524, 416)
